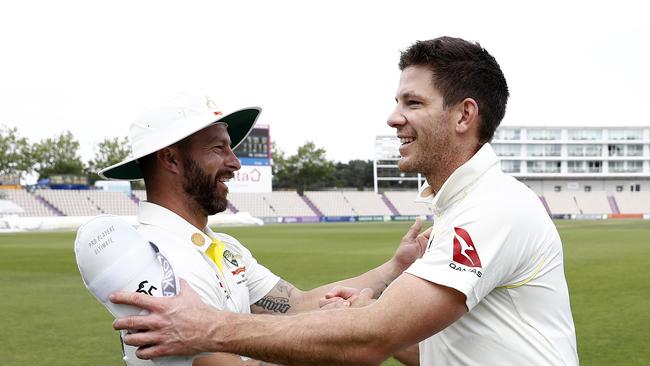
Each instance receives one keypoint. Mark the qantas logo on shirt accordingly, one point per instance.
(464, 249)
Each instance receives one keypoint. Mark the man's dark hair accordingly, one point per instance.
(463, 69)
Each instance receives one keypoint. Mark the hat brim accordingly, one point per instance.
(240, 124)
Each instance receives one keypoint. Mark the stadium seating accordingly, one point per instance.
(29, 203)
(592, 203)
(253, 203)
(331, 203)
(404, 202)
(562, 203)
(71, 202)
(366, 203)
(288, 203)
(633, 202)
(115, 203)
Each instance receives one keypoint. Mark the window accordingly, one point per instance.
(625, 166)
(557, 188)
(543, 166)
(615, 150)
(544, 150)
(584, 134)
(576, 167)
(619, 188)
(616, 166)
(544, 134)
(584, 166)
(594, 166)
(635, 166)
(584, 150)
(511, 166)
(508, 134)
(625, 134)
(507, 149)
(634, 150)
(635, 188)
(587, 188)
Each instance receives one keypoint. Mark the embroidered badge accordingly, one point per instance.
(230, 257)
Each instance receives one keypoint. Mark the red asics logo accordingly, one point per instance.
(464, 249)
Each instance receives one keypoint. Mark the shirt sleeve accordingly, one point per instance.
(469, 254)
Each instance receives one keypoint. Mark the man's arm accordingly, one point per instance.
(410, 310)
(350, 297)
(227, 359)
(409, 356)
(343, 297)
(286, 299)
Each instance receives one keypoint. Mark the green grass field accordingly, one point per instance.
(49, 318)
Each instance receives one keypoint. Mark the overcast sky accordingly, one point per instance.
(324, 71)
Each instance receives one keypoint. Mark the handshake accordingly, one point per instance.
(345, 297)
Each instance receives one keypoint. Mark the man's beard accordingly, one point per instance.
(202, 189)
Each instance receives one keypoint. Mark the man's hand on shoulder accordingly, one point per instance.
(174, 326)
(412, 245)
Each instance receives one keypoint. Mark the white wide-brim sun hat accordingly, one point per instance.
(173, 120)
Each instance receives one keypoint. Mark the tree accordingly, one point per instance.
(280, 170)
(57, 155)
(15, 153)
(307, 169)
(359, 174)
(110, 151)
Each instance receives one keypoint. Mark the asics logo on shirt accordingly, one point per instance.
(464, 249)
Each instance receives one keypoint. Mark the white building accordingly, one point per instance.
(610, 159)
(549, 159)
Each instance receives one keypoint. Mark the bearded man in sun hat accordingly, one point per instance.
(183, 149)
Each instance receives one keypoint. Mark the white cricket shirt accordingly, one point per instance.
(493, 241)
(242, 282)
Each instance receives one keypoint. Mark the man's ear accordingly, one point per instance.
(169, 159)
(468, 119)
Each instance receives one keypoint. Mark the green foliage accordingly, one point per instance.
(355, 174)
(110, 151)
(47, 308)
(307, 169)
(58, 155)
(15, 153)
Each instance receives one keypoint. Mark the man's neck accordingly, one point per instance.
(180, 205)
(437, 178)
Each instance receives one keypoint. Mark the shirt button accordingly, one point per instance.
(198, 239)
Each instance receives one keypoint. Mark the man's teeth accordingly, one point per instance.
(406, 140)
(224, 180)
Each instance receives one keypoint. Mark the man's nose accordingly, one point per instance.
(396, 118)
(233, 162)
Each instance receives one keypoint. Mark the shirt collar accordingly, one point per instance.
(153, 214)
(460, 179)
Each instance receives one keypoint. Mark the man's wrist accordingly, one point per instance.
(220, 327)
(397, 267)
(393, 270)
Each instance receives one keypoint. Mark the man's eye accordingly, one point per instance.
(413, 102)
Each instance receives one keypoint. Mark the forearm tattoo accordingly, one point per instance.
(278, 300)
(274, 304)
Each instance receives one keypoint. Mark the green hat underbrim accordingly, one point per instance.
(240, 125)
